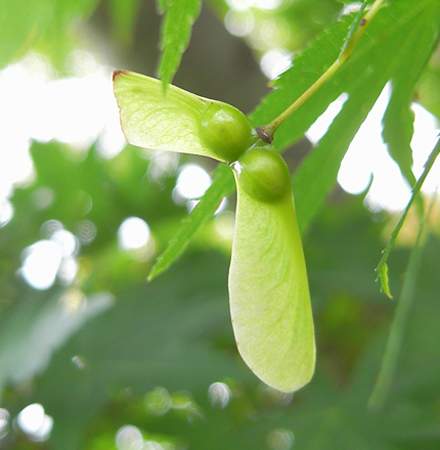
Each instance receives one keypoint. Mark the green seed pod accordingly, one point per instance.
(263, 174)
(226, 130)
(179, 121)
(268, 289)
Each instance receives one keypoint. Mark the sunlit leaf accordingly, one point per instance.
(268, 288)
(178, 121)
(398, 119)
(376, 60)
(176, 31)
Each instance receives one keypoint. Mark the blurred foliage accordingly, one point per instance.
(109, 350)
(179, 17)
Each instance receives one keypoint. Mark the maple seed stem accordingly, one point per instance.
(358, 28)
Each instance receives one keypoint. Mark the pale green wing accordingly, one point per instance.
(269, 294)
(177, 120)
(158, 121)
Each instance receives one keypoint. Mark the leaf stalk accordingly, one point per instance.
(360, 24)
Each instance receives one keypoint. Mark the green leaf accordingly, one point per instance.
(222, 185)
(176, 31)
(178, 121)
(25, 23)
(376, 60)
(383, 276)
(398, 119)
(415, 191)
(36, 326)
(395, 338)
(384, 57)
(124, 18)
(21, 25)
(164, 334)
(353, 1)
(268, 288)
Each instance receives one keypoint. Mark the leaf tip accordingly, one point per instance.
(118, 73)
(152, 274)
(383, 276)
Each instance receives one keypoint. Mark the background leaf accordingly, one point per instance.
(222, 186)
(124, 15)
(28, 24)
(376, 59)
(398, 118)
(19, 32)
(48, 324)
(176, 31)
(162, 357)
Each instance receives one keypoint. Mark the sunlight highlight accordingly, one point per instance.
(35, 423)
(50, 258)
(219, 395)
(280, 439)
(75, 111)
(275, 61)
(129, 437)
(321, 125)
(242, 5)
(4, 422)
(41, 264)
(133, 233)
(367, 163)
(192, 183)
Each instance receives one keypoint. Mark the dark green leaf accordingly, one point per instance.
(174, 333)
(37, 325)
(376, 59)
(398, 118)
(393, 348)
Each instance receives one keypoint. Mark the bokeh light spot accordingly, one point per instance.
(80, 362)
(41, 263)
(6, 212)
(43, 197)
(73, 300)
(4, 422)
(35, 423)
(280, 439)
(129, 437)
(219, 395)
(50, 227)
(85, 231)
(275, 61)
(66, 241)
(322, 124)
(239, 23)
(192, 183)
(133, 233)
(158, 401)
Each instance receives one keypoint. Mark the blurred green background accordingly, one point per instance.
(91, 355)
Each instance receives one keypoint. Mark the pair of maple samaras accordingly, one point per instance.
(268, 288)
